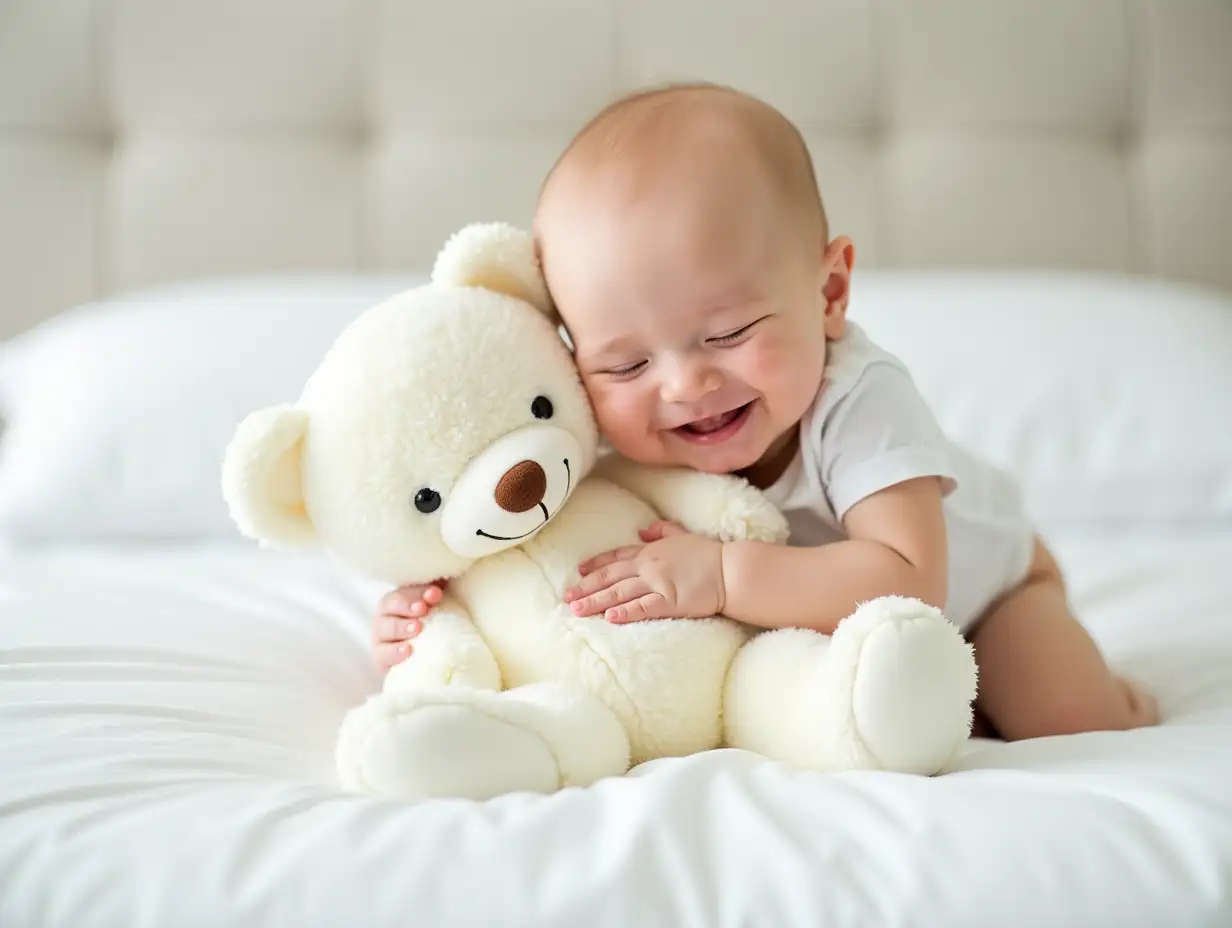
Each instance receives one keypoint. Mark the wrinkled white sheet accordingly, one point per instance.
(166, 729)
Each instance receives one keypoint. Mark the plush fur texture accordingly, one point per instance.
(497, 257)
(446, 434)
(878, 694)
(261, 477)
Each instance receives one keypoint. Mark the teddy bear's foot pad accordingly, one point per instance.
(455, 750)
(913, 688)
(890, 690)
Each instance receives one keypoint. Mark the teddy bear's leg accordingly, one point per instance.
(476, 744)
(892, 689)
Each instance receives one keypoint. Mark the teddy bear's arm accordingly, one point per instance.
(719, 505)
(449, 651)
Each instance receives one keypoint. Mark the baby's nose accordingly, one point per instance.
(689, 381)
(522, 487)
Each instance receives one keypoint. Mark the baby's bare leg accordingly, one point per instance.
(1040, 672)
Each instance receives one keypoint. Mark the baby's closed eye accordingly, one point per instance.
(730, 338)
(626, 370)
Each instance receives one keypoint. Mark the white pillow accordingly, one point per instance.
(117, 413)
(1109, 396)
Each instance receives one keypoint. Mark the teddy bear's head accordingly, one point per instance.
(444, 425)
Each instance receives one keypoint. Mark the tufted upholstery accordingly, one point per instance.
(149, 140)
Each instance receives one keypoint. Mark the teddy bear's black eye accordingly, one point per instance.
(427, 500)
(541, 408)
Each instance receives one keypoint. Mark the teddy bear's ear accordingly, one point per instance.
(495, 256)
(262, 477)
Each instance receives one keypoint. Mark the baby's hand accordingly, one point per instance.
(674, 574)
(399, 618)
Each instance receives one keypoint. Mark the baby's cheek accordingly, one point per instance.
(620, 411)
(781, 363)
(770, 358)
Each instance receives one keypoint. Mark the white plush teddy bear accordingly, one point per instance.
(446, 434)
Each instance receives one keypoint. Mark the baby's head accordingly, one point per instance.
(685, 245)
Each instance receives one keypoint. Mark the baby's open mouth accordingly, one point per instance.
(713, 427)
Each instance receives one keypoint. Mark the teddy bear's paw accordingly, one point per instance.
(424, 748)
(746, 515)
(909, 679)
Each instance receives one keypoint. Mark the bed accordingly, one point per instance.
(168, 763)
(198, 197)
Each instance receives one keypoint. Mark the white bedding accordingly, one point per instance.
(166, 723)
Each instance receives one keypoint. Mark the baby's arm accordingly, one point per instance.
(884, 464)
(896, 546)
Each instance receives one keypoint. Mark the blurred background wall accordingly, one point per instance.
(144, 141)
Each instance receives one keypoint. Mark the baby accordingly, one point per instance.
(685, 244)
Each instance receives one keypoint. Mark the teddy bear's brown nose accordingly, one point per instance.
(522, 487)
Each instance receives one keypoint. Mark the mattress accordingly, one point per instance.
(167, 718)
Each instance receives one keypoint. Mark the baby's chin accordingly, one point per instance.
(662, 454)
(720, 463)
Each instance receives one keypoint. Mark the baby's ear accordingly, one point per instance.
(837, 260)
(495, 256)
(262, 477)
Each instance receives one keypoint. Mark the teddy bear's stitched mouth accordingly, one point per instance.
(546, 515)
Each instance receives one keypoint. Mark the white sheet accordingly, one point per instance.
(167, 717)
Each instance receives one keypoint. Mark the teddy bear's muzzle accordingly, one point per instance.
(511, 490)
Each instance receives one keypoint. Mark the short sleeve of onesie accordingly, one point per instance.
(879, 432)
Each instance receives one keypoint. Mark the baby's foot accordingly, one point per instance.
(1143, 706)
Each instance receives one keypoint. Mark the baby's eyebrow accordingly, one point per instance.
(618, 345)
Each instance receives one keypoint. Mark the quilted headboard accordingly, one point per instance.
(149, 140)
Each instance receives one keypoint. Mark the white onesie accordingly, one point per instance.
(869, 428)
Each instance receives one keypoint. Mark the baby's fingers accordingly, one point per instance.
(390, 654)
(396, 628)
(656, 531)
(600, 578)
(600, 602)
(404, 602)
(410, 601)
(649, 606)
(608, 557)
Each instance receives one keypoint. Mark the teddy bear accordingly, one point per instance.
(446, 434)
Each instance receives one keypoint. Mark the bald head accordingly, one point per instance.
(684, 244)
(698, 133)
